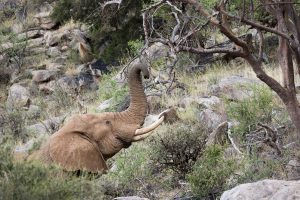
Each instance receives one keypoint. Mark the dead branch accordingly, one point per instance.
(103, 5)
(232, 142)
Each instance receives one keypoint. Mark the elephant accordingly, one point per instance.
(86, 141)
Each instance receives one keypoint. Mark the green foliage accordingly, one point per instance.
(135, 46)
(210, 172)
(112, 24)
(14, 124)
(250, 111)
(109, 88)
(178, 146)
(255, 168)
(131, 173)
(26, 181)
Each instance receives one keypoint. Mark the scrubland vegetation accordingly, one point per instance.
(175, 161)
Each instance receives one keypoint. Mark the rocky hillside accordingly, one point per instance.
(228, 130)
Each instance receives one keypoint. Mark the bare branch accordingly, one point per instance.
(176, 28)
(261, 46)
(173, 6)
(256, 25)
(103, 5)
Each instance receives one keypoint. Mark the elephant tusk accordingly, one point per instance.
(142, 133)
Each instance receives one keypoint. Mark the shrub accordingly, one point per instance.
(178, 146)
(26, 181)
(250, 111)
(210, 172)
(109, 88)
(14, 124)
(131, 173)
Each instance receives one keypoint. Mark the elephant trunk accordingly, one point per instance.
(137, 109)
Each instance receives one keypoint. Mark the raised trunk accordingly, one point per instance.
(137, 110)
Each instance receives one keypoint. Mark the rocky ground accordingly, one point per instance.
(43, 81)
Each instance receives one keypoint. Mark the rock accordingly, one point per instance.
(47, 88)
(157, 50)
(18, 96)
(35, 51)
(53, 52)
(44, 20)
(30, 34)
(265, 189)
(5, 46)
(104, 105)
(219, 135)
(293, 170)
(211, 119)
(234, 88)
(60, 60)
(46, 127)
(130, 198)
(54, 66)
(17, 28)
(170, 117)
(68, 83)
(37, 42)
(53, 38)
(203, 102)
(39, 76)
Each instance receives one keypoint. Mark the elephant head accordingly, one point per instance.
(86, 141)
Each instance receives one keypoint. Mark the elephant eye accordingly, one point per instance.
(107, 122)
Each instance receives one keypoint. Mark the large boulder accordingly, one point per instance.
(265, 189)
(234, 88)
(211, 118)
(18, 96)
(39, 76)
(293, 170)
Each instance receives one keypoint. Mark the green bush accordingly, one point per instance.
(131, 173)
(250, 111)
(210, 173)
(255, 168)
(26, 181)
(109, 88)
(178, 146)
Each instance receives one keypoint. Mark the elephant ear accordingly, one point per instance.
(75, 152)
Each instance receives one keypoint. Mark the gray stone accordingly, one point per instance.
(60, 60)
(203, 102)
(265, 189)
(18, 96)
(293, 170)
(46, 127)
(44, 20)
(53, 52)
(104, 105)
(233, 88)
(30, 34)
(211, 119)
(37, 42)
(43, 75)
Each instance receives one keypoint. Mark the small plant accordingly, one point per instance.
(178, 146)
(210, 173)
(135, 46)
(14, 124)
(131, 173)
(110, 89)
(25, 181)
(250, 111)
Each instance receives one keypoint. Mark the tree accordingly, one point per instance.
(191, 18)
(112, 23)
